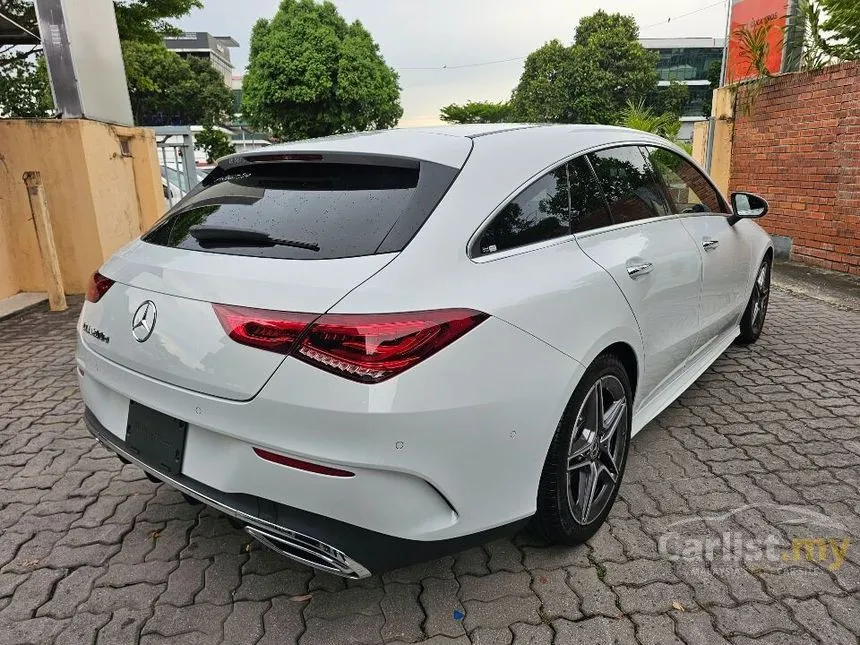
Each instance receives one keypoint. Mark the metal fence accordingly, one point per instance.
(175, 146)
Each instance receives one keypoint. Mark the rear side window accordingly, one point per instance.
(629, 185)
(689, 190)
(540, 212)
(330, 210)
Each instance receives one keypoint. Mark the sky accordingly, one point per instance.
(436, 33)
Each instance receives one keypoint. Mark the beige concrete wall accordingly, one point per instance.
(721, 158)
(700, 142)
(98, 198)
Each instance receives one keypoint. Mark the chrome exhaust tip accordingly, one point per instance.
(309, 551)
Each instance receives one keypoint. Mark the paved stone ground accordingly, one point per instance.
(764, 447)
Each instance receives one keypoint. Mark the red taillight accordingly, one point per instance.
(301, 464)
(373, 347)
(275, 331)
(98, 286)
(368, 348)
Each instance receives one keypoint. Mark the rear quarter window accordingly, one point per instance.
(342, 209)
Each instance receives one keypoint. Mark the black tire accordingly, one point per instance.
(560, 516)
(752, 321)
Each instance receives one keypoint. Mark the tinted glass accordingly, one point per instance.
(631, 188)
(689, 190)
(587, 206)
(345, 209)
(540, 212)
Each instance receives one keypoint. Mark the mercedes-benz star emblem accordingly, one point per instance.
(144, 321)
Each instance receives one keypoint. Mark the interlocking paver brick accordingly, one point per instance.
(527, 634)
(494, 586)
(558, 600)
(90, 548)
(403, 613)
(70, 593)
(440, 602)
(753, 619)
(244, 625)
(607, 631)
(203, 618)
(814, 616)
(597, 598)
(655, 630)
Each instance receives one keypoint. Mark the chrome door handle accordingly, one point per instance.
(636, 270)
(709, 245)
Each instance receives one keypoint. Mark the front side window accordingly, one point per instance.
(540, 212)
(631, 188)
(689, 190)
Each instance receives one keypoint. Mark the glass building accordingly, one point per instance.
(687, 61)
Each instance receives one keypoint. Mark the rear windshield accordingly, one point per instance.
(329, 210)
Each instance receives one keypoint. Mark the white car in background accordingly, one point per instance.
(377, 348)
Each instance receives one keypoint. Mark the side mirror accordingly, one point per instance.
(748, 206)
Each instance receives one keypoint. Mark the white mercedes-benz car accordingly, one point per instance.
(377, 348)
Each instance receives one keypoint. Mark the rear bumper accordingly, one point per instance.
(451, 448)
(317, 541)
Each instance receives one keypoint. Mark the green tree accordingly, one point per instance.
(146, 20)
(214, 143)
(167, 89)
(592, 80)
(476, 112)
(24, 88)
(311, 74)
(843, 26)
(541, 95)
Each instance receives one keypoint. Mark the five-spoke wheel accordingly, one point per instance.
(586, 459)
(753, 319)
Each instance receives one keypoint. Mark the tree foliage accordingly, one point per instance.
(24, 88)
(824, 32)
(311, 74)
(167, 89)
(590, 81)
(146, 20)
(476, 112)
(640, 117)
(668, 99)
(843, 26)
(214, 143)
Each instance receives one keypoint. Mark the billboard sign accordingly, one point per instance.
(762, 20)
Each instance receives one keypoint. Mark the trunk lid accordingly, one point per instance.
(187, 346)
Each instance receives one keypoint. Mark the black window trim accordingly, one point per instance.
(473, 243)
(701, 171)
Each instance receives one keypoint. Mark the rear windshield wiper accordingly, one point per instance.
(243, 237)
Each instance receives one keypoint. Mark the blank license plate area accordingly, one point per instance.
(157, 439)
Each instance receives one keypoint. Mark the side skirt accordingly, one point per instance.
(684, 380)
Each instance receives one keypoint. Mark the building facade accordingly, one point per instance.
(687, 61)
(201, 44)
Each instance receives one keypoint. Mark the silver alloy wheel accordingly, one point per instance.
(761, 294)
(596, 447)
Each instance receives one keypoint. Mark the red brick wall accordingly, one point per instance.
(800, 149)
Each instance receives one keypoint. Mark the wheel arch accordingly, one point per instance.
(627, 355)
